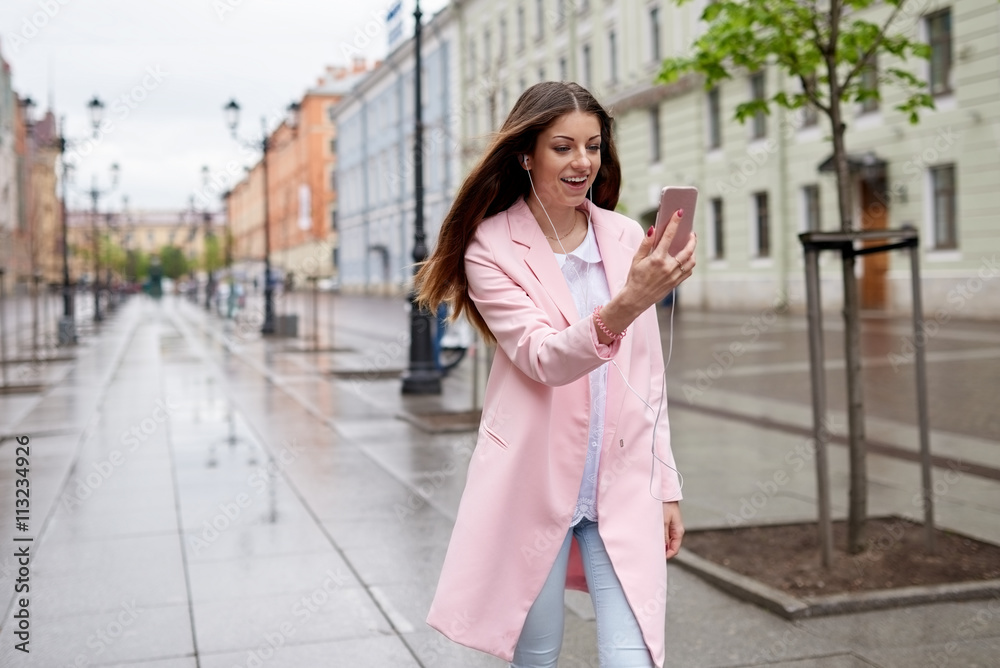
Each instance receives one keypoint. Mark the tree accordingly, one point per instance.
(213, 257)
(827, 46)
(174, 262)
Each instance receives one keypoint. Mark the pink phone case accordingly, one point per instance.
(671, 199)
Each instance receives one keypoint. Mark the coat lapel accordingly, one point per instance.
(538, 256)
(617, 257)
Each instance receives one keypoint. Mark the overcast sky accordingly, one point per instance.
(164, 69)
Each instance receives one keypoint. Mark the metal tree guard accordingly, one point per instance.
(812, 244)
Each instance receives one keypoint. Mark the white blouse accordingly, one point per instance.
(584, 273)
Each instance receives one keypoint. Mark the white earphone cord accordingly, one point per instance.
(670, 349)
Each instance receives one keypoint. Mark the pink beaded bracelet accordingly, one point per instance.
(604, 328)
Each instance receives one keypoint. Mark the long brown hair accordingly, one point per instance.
(498, 180)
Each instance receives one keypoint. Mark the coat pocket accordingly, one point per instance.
(495, 437)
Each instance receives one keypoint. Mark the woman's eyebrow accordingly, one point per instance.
(572, 139)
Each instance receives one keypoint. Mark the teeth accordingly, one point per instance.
(578, 179)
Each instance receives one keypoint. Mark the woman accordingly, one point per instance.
(572, 483)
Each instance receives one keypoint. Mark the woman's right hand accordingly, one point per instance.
(654, 273)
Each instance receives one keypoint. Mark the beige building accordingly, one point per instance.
(145, 231)
(41, 204)
(759, 183)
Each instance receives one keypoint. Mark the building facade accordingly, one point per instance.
(146, 232)
(9, 221)
(760, 183)
(301, 189)
(375, 167)
(40, 203)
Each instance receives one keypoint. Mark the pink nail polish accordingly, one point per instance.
(680, 213)
(649, 232)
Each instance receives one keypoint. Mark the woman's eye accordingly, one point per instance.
(595, 147)
(562, 149)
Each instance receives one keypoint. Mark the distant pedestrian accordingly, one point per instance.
(572, 483)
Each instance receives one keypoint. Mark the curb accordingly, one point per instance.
(790, 607)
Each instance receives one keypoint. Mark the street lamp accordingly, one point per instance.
(232, 114)
(207, 219)
(95, 195)
(96, 108)
(423, 376)
(67, 324)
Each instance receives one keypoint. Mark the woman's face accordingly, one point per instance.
(566, 158)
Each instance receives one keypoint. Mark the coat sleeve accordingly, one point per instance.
(524, 330)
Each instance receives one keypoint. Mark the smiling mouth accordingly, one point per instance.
(575, 180)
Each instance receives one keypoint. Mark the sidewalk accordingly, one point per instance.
(204, 497)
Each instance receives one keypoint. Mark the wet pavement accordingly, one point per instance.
(201, 496)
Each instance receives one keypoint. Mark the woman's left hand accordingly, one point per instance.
(673, 528)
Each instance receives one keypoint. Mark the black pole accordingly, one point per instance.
(67, 326)
(268, 327)
(423, 376)
(210, 285)
(97, 252)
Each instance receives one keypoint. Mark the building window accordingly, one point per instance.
(654, 135)
(520, 27)
(810, 201)
(541, 72)
(943, 185)
(563, 73)
(560, 12)
(869, 82)
(762, 225)
(714, 119)
(539, 19)
(718, 230)
(939, 37)
(585, 65)
(333, 146)
(759, 125)
(654, 34)
(613, 56)
(333, 220)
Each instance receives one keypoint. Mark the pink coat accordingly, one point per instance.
(526, 470)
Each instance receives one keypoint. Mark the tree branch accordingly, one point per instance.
(875, 45)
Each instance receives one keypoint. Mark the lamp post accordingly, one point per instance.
(67, 324)
(206, 217)
(96, 109)
(232, 111)
(95, 194)
(423, 376)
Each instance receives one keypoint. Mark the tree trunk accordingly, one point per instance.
(858, 495)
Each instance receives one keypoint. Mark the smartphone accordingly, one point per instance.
(671, 199)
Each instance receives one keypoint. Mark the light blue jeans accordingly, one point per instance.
(619, 641)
